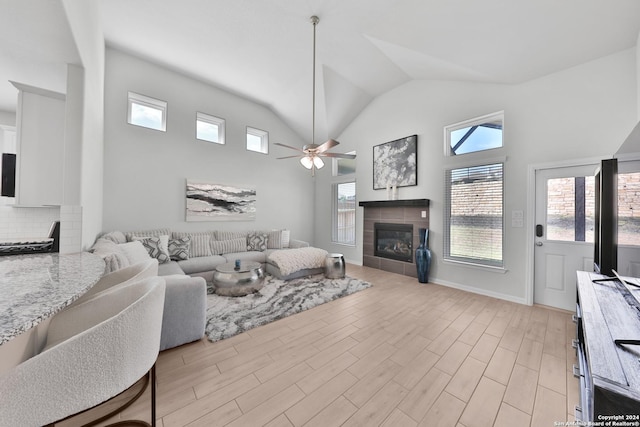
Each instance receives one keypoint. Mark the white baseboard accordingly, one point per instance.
(479, 291)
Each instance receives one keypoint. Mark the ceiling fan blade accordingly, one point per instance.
(339, 155)
(327, 145)
(288, 146)
(287, 157)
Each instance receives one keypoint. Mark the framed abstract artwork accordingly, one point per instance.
(220, 202)
(396, 163)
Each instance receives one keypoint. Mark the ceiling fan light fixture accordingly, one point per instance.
(306, 162)
(317, 161)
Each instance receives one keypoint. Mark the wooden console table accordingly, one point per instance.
(608, 330)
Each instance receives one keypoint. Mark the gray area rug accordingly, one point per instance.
(228, 316)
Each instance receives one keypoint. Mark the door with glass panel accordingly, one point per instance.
(629, 218)
(563, 233)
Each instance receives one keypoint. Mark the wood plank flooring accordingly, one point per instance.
(398, 354)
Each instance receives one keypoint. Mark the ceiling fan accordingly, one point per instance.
(312, 153)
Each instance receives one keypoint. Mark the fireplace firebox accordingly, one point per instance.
(393, 241)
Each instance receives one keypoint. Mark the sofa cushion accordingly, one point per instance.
(286, 237)
(228, 235)
(256, 256)
(219, 247)
(113, 256)
(157, 232)
(257, 241)
(179, 248)
(274, 239)
(158, 247)
(200, 264)
(135, 252)
(169, 268)
(199, 245)
(115, 236)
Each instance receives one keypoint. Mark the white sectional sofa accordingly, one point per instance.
(187, 261)
(198, 253)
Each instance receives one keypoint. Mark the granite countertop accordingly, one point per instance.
(35, 287)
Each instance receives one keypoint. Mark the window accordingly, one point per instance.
(344, 166)
(147, 112)
(480, 134)
(474, 215)
(257, 140)
(209, 128)
(570, 209)
(344, 213)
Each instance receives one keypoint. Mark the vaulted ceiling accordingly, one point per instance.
(262, 49)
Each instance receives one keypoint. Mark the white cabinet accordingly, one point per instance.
(40, 124)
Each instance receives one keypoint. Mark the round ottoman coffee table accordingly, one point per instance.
(232, 282)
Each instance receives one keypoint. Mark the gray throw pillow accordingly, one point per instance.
(157, 247)
(257, 241)
(179, 248)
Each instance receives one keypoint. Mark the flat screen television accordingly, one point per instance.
(605, 256)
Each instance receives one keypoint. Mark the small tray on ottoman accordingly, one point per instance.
(234, 282)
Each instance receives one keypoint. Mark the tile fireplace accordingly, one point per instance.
(396, 243)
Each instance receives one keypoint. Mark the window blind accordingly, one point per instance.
(474, 214)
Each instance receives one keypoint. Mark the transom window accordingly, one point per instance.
(147, 112)
(257, 140)
(210, 128)
(344, 166)
(480, 134)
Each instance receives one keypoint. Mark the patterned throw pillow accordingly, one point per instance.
(157, 247)
(257, 241)
(179, 248)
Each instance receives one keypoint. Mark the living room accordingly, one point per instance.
(123, 177)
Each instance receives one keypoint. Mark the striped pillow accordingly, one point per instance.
(230, 235)
(274, 240)
(219, 247)
(199, 245)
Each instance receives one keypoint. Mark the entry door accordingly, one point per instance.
(564, 233)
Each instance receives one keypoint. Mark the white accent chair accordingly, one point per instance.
(94, 351)
(124, 276)
(185, 303)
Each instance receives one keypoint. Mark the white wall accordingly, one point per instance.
(8, 118)
(146, 170)
(86, 85)
(583, 112)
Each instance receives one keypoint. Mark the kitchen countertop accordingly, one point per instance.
(35, 287)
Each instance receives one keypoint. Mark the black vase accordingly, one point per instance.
(423, 256)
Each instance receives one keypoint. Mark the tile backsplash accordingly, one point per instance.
(26, 222)
(36, 222)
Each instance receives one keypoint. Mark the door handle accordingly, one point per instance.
(538, 243)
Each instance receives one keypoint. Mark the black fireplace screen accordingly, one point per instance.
(394, 241)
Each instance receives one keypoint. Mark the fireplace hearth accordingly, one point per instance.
(393, 241)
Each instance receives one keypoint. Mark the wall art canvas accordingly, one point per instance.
(220, 202)
(396, 163)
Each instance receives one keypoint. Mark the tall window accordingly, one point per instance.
(344, 213)
(147, 112)
(474, 215)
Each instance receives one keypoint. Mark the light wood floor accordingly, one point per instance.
(398, 354)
